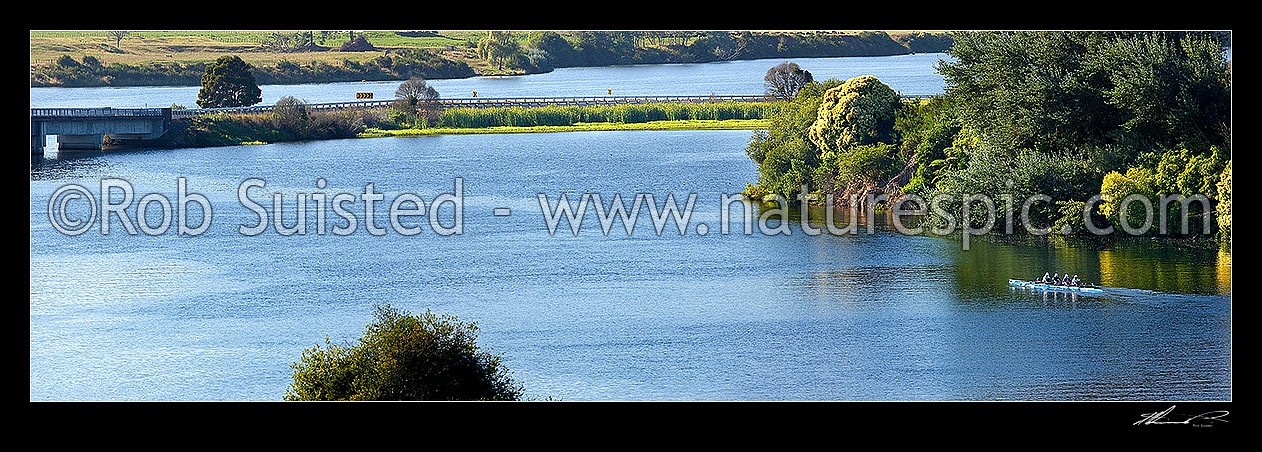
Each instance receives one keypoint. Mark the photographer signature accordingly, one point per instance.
(1159, 418)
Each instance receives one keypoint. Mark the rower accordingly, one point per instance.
(1046, 277)
(1077, 282)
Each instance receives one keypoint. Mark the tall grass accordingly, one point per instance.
(627, 113)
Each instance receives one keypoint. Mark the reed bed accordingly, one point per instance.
(627, 113)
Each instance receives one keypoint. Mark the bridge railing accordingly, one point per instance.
(486, 102)
(97, 112)
(466, 102)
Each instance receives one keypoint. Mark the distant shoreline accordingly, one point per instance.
(187, 84)
(102, 66)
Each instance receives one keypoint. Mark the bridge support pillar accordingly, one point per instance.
(80, 142)
(37, 140)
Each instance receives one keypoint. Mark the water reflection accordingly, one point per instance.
(874, 315)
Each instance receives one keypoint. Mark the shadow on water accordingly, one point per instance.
(1120, 264)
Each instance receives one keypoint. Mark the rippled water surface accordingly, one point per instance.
(912, 75)
(869, 316)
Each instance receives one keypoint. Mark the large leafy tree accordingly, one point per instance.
(861, 111)
(228, 82)
(1106, 92)
(559, 51)
(404, 357)
(499, 47)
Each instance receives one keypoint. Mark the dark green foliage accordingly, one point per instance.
(601, 48)
(928, 130)
(404, 357)
(1037, 103)
(1174, 88)
(228, 82)
(865, 164)
(921, 42)
(1062, 177)
(399, 65)
(786, 158)
(291, 125)
(1118, 94)
(560, 53)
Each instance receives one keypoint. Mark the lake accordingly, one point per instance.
(908, 74)
(875, 315)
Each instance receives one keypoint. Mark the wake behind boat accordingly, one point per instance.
(1047, 286)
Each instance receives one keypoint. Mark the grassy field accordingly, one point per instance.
(183, 47)
(203, 46)
(727, 124)
(149, 53)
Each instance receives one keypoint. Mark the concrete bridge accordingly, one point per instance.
(84, 129)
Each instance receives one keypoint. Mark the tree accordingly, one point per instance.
(404, 357)
(1126, 93)
(499, 48)
(118, 36)
(785, 79)
(415, 96)
(228, 82)
(860, 111)
(560, 53)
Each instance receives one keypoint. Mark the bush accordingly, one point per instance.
(291, 115)
(1175, 172)
(1062, 177)
(404, 357)
(786, 158)
(870, 164)
(1224, 205)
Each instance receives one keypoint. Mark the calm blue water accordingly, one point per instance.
(877, 316)
(908, 74)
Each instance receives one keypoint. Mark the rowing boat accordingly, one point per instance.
(1042, 286)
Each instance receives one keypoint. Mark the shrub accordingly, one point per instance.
(871, 164)
(291, 115)
(1174, 172)
(404, 357)
(1224, 205)
(1062, 177)
(786, 158)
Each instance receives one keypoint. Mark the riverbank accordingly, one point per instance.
(726, 124)
(85, 59)
(298, 123)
